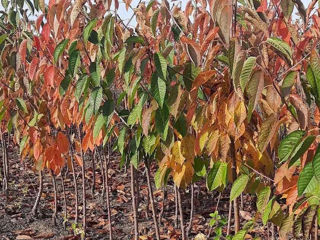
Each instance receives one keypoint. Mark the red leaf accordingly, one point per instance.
(33, 67)
(23, 51)
(49, 76)
(263, 6)
(127, 2)
(37, 149)
(46, 32)
(78, 160)
(63, 143)
(36, 43)
(38, 22)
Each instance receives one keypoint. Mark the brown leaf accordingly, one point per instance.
(302, 110)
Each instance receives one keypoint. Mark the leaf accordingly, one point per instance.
(77, 6)
(81, 85)
(288, 83)
(301, 149)
(136, 112)
(22, 105)
(101, 120)
(23, 51)
(316, 163)
(238, 186)
(302, 110)
(135, 39)
(187, 147)
(33, 67)
(49, 76)
(268, 129)
(288, 144)
(161, 65)
(63, 143)
(121, 140)
(78, 160)
(301, 10)
(246, 72)
(254, 91)
(217, 175)
(96, 99)
(237, 67)
(313, 74)
(202, 78)
(263, 198)
(154, 21)
(266, 212)
(59, 49)
(158, 89)
(306, 183)
(286, 226)
(74, 61)
(287, 7)
(282, 47)
(162, 121)
(3, 37)
(88, 29)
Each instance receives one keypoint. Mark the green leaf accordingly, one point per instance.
(108, 108)
(246, 72)
(189, 74)
(96, 99)
(238, 186)
(287, 7)
(136, 112)
(81, 85)
(301, 149)
(237, 69)
(59, 49)
(254, 91)
(98, 125)
(162, 121)
(161, 66)
(74, 62)
(23, 143)
(240, 235)
(217, 176)
(121, 140)
(288, 83)
(316, 163)
(288, 144)
(282, 47)
(158, 89)
(95, 73)
(135, 39)
(314, 76)
(88, 29)
(263, 198)
(3, 37)
(266, 212)
(64, 85)
(181, 125)
(94, 38)
(22, 105)
(307, 181)
(154, 21)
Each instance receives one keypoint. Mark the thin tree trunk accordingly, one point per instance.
(36, 203)
(183, 233)
(5, 166)
(134, 204)
(229, 218)
(75, 184)
(234, 175)
(272, 231)
(176, 206)
(93, 173)
(163, 205)
(103, 175)
(64, 201)
(54, 184)
(316, 227)
(191, 210)
(154, 214)
(107, 161)
(84, 199)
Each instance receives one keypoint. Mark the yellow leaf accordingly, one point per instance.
(176, 153)
(183, 177)
(187, 147)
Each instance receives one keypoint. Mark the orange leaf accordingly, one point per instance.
(37, 149)
(63, 143)
(33, 67)
(78, 160)
(202, 78)
(23, 51)
(49, 76)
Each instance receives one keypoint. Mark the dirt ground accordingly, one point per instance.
(16, 221)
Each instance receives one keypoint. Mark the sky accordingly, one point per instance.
(126, 15)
